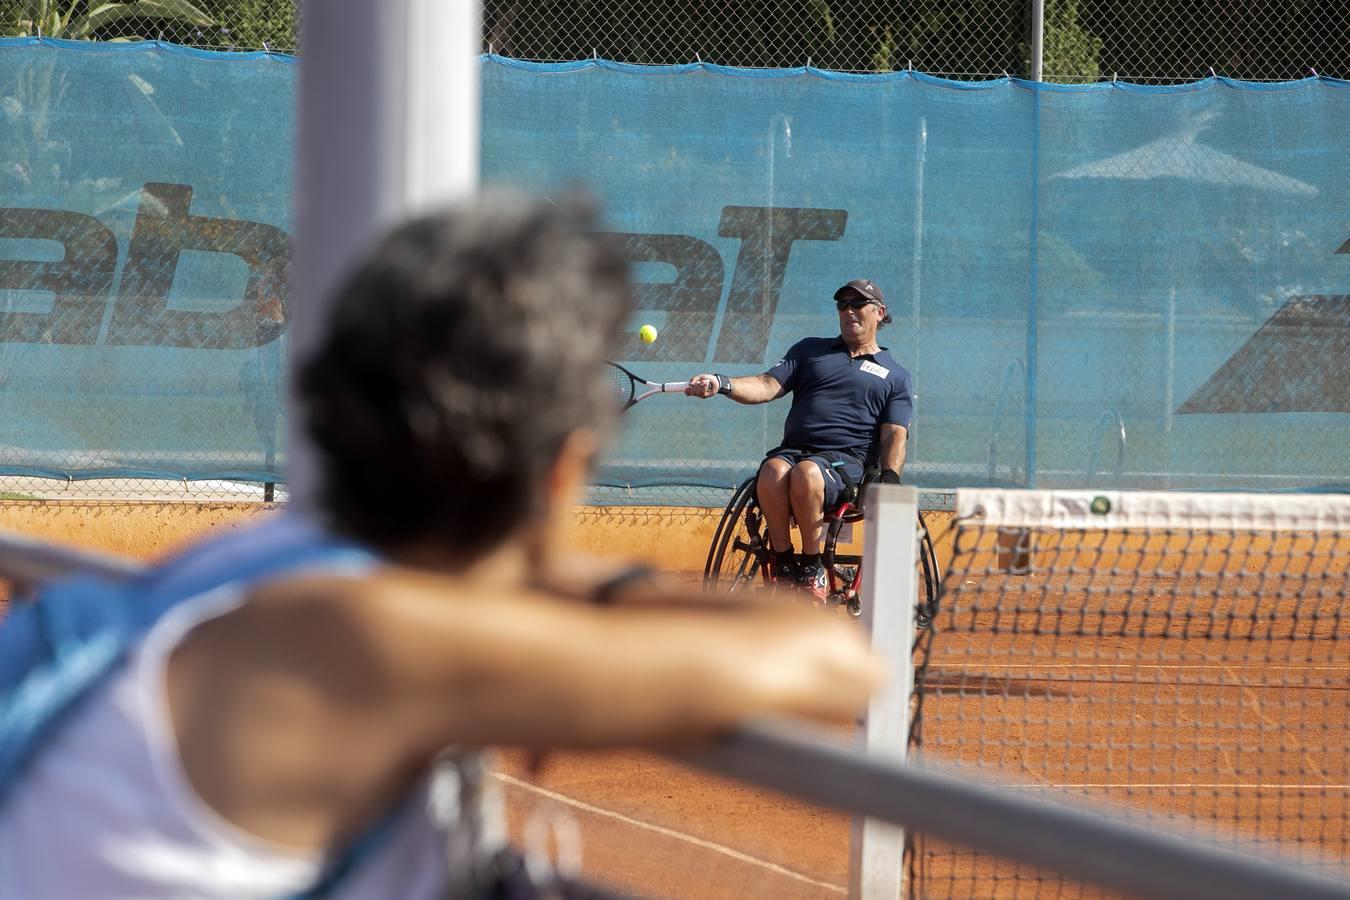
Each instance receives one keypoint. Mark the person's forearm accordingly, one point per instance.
(605, 686)
(542, 674)
(893, 455)
(615, 582)
(747, 389)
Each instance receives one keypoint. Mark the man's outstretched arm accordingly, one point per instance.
(748, 389)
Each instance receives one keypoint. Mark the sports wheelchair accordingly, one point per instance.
(738, 558)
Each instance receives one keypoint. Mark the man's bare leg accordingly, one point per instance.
(807, 490)
(774, 502)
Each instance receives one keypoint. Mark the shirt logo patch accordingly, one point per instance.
(872, 368)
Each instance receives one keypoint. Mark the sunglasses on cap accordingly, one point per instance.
(854, 302)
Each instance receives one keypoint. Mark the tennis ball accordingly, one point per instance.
(648, 334)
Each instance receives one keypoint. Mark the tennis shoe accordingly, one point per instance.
(782, 568)
(812, 580)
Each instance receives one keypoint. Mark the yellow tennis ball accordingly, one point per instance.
(648, 334)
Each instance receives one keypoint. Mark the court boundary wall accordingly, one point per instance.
(673, 538)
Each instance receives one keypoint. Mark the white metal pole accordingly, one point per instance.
(1033, 281)
(1037, 39)
(890, 594)
(388, 119)
(916, 274)
(1171, 357)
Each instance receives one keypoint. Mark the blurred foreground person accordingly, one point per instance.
(259, 716)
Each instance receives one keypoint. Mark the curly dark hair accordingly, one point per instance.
(458, 357)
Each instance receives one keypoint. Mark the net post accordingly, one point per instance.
(890, 595)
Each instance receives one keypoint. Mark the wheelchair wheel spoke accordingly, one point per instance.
(736, 554)
(747, 572)
(932, 578)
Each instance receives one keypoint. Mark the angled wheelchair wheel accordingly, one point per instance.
(929, 586)
(930, 589)
(739, 546)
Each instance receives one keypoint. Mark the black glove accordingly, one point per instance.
(889, 476)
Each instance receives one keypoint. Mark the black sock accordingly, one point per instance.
(808, 559)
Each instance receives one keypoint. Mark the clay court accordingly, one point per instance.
(1222, 698)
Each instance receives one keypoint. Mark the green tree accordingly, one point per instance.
(1071, 52)
(86, 20)
(252, 25)
(213, 24)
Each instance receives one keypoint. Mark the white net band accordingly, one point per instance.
(1073, 510)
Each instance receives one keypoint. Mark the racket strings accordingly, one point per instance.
(622, 386)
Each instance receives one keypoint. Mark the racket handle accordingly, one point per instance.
(670, 386)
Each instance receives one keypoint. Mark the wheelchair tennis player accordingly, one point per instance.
(851, 409)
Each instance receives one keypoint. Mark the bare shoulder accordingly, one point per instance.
(257, 697)
(393, 624)
(298, 640)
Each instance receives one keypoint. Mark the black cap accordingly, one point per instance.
(864, 287)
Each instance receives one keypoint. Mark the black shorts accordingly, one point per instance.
(833, 465)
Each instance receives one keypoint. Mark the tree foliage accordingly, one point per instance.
(91, 19)
(1069, 51)
(253, 25)
(214, 24)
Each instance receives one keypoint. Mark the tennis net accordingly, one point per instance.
(1182, 656)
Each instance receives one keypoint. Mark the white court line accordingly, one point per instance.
(666, 832)
(940, 664)
(1185, 785)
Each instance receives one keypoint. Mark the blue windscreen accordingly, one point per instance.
(1105, 284)
(144, 259)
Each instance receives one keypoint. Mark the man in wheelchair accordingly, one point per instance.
(851, 409)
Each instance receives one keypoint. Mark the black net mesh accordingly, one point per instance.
(1191, 666)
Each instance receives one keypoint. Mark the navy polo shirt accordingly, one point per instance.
(840, 402)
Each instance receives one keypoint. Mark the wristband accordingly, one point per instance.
(607, 590)
(723, 384)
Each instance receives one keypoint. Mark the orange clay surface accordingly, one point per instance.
(1255, 744)
(1225, 699)
(656, 828)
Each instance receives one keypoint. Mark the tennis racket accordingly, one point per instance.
(629, 388)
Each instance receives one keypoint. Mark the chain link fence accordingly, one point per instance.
(1151, 41)
(1155, 41)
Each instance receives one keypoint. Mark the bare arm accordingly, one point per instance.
(395, 667)
(893, 441)
(613, 581)
(748, 389)
(535, 673)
